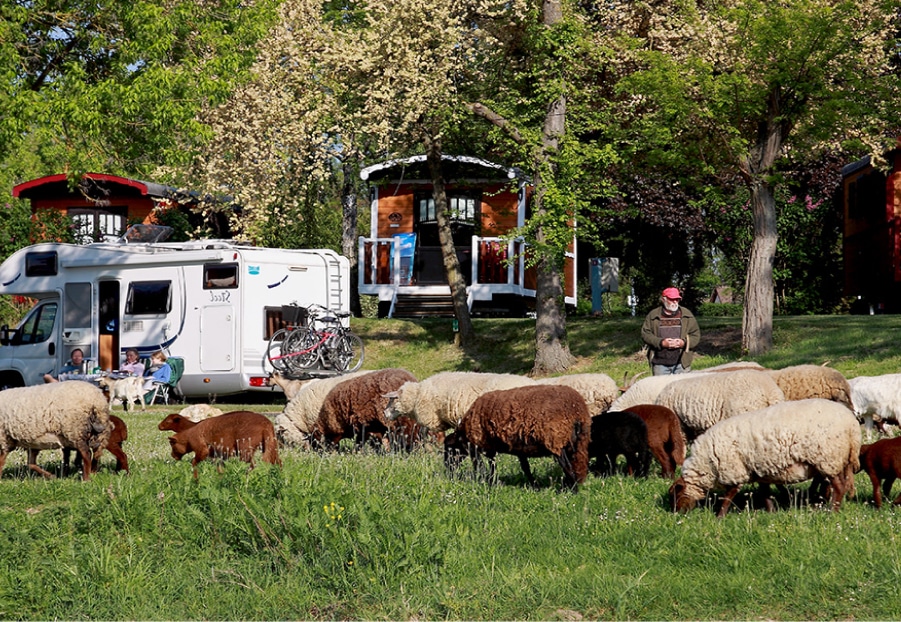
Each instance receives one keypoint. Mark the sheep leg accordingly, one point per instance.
(887, 486)
(727, 501)
(877, 489)
(838, 491)
(121, 458)
(527, 470)
(33, 464)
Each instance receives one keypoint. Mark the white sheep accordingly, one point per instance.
(290, 387)
(706, 399)
(199, 412)
(876, 398)
(598, 390)
(801, 382)
(294, 424)
(440, 401)
(786, 443)
(71, 414)
(128, 390)
(646, 390)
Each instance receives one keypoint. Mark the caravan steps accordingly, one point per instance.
(423, 305)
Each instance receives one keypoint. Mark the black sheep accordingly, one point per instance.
(616, 434)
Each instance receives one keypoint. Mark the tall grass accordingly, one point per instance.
(362, 535)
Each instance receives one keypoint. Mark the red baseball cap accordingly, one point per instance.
(672, 293)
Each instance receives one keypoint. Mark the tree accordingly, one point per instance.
(744, 84)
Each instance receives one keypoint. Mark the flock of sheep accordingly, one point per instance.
(738, 424)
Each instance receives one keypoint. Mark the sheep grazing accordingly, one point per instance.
(70, 414)
(706, 399)
(527, 422)
(290, 387)
(786, 443)
(616, 434)
(665, 439)
(238, 434)
(118, 436)
(598, 390)
(294, 424)
(646, 390)
(801, 382)
(199, 412)
(128, 390)
(876, 400)
(440, 401)
(356, 408)
(882, 462)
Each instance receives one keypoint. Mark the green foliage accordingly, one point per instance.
(719, 309)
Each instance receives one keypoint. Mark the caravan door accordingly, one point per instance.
(217, 338)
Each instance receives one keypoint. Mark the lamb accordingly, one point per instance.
(440, 401)
(882, 461)
(294, 424)
(238, 433)
(665, 439)
(800, 382)
(128, 390)
(290, 387)
(786, 443)
(616, 434)
(71, 414)
(876, 400)
(355, 408)
(118, 436)
(527, 422)
(598, 390)
(705, 399)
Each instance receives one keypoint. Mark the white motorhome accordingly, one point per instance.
(214, 303)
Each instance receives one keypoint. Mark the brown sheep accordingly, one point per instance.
(882, 461)
(528, 422)
(238, 433)
(665, 438)
(177, 422)
(114, 445)
(356, 408)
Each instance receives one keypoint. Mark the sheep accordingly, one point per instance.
(876, 401)
(665, 439)
(355, 408)
(128, 390)
(619, 434)
(526, 421)
(199, 412)
(72, 414)
(801, 382)
(295, 423)
(785, 443)
(238, 433)
(882, 461)
(598, 390)
(646, 390)
(440, 401)
(118, 436)
(705, 399)
(290, 387)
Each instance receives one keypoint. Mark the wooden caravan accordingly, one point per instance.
(401, 263)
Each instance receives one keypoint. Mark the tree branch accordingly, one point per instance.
(481, 110)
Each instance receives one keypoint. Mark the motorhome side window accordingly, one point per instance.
(38, 326)
(41, 264)
(220, 276)
(149, 297)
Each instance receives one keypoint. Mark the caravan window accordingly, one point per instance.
(149, 297)
(41, 264)
(220, 276)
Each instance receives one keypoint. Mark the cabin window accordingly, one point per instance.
(149, 297)
(38, 326)
(98, 224)
(219, 276)
(41, 264)
(463, 208)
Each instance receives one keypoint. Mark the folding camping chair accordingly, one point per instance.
(163, 390)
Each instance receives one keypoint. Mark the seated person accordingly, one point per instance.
(132, 366)
(158, 372)
(76, 357)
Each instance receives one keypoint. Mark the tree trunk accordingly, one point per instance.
(552, 353)
(466, 332)
(757, 322)
(349, 217)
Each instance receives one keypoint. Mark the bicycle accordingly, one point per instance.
(314, 334)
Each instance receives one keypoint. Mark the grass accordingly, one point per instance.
(366, 536)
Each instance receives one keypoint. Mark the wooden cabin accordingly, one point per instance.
(872, 235)
(101, 205)
(402, 263)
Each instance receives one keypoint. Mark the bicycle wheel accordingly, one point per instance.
(275, 351)
(301, 349)
(348, 353)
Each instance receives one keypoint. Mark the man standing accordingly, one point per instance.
(670, 331)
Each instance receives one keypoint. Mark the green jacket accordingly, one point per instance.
(691, 334)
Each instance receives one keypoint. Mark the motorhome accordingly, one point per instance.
(214, 303)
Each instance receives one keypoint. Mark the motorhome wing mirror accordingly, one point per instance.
(4, 335)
